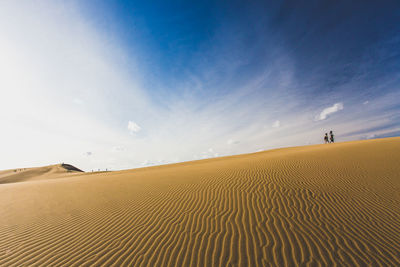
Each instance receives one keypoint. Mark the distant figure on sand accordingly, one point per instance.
(326, 138)
(332, 137)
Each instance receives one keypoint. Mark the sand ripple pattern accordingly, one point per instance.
(331, 205)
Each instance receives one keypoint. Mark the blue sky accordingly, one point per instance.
(124, 84)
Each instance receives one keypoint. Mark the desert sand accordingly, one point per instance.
(335, 204)
(39, 173)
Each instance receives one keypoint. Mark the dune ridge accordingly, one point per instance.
(38, 173)
(323, 205)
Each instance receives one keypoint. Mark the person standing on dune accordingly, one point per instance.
(332, 137)
(326, 138)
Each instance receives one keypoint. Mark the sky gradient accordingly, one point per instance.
(124, 84)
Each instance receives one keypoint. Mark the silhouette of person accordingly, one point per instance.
(326, 138)
(332, 137)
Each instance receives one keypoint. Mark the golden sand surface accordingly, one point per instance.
(321, 205)
(39, 173)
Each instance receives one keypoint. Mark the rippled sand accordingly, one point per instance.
(336, 204)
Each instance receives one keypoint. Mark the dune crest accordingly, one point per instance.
(327, 205)
(38, 173)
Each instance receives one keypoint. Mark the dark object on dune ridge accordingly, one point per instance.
(69, 167)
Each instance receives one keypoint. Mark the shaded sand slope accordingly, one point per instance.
(39, 173)
(325, 205)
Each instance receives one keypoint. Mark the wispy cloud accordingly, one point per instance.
(276, 124)
(330, 110)
(232, 142)
(133, 127)
(117, 149)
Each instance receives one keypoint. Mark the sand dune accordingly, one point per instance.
(40, 173)
(324, 205)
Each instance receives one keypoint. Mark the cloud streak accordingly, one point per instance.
(326, 112)
(276, 124)
(133, 127)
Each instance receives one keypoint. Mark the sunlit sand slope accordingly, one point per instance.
(40, 173)
(325, 205)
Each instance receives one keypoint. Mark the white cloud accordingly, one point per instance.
(147, 163)
(232, 142)
(276, 124)
(118, 149)
(371, 136)
(133, 127)
(327, 111)
(366, 102)
(210, 153)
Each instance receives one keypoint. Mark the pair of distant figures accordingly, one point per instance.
(330, 138)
